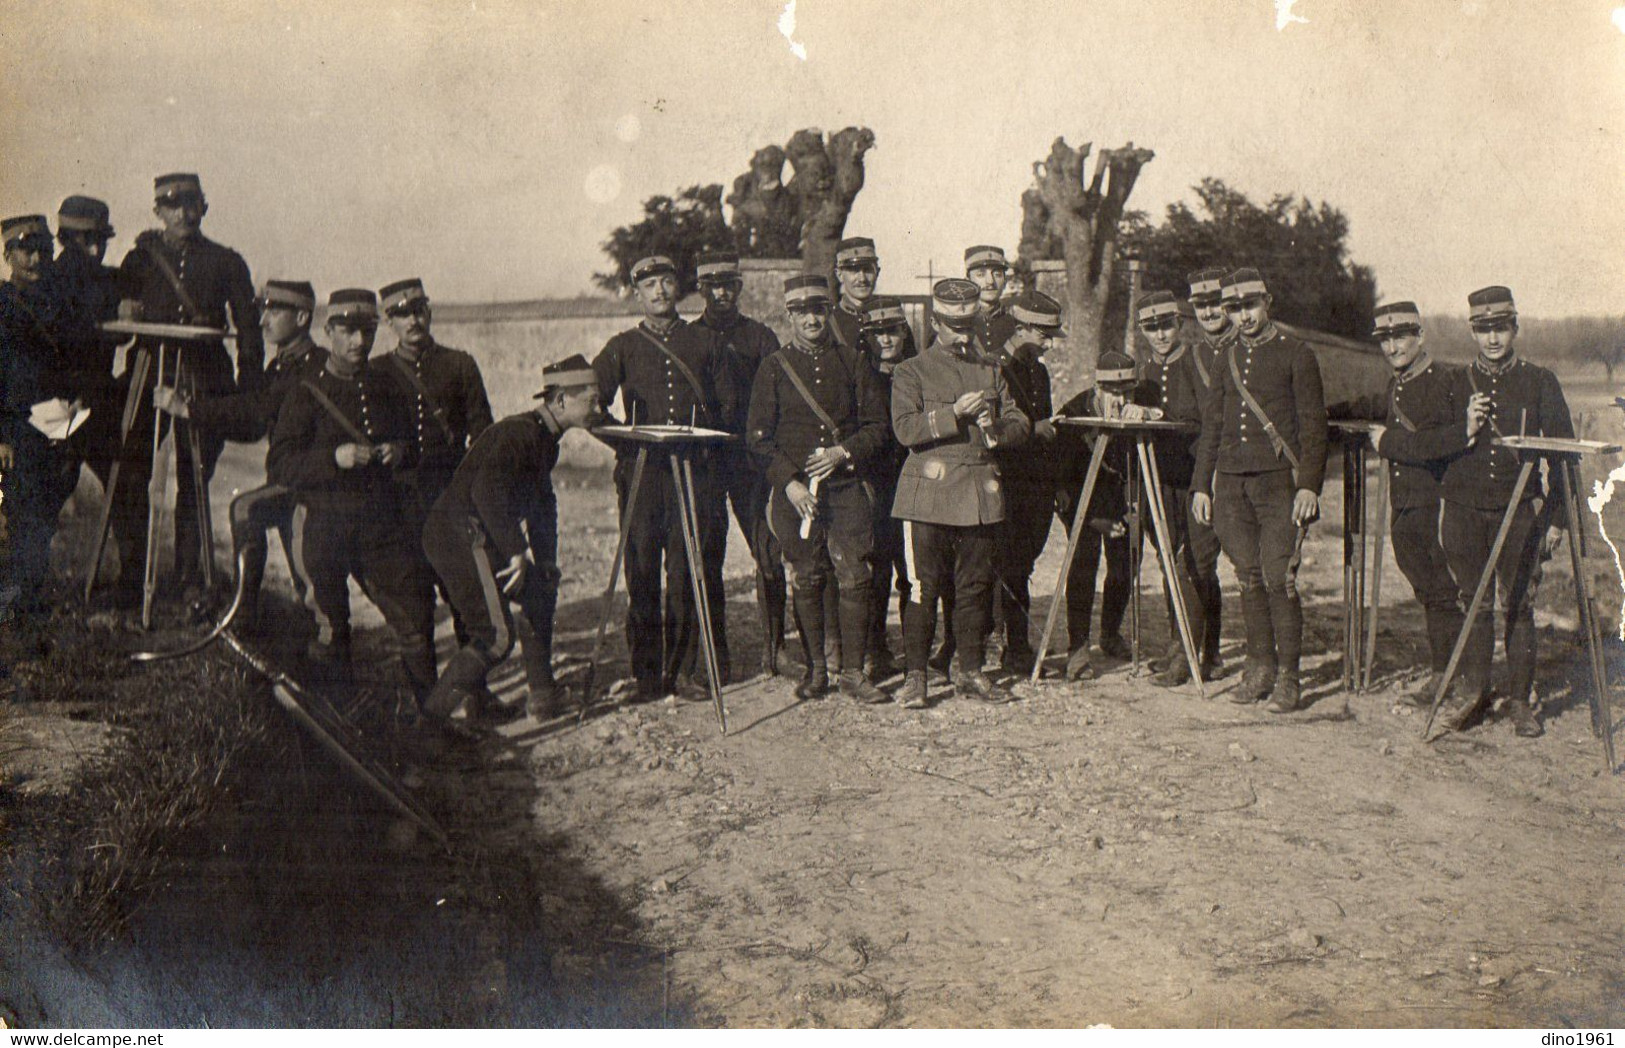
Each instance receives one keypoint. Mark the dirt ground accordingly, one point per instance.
(1109, 852)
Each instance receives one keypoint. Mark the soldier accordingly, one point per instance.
(1030, 471)
(1207, 354)
(84, 292)
(744, 344)
(37, 474)
(500, 503)
(339, 439)
(1513, 396)
(668, 372)
(449, 406)
(179, 276)
(1264, 433)
(817, 419)
(951, 409)
(887, 341)
(1422, 431)
(1105, 524)
(857, 270)
(1218, 332)
(986, 268)
(1178, 381)
(286, 308)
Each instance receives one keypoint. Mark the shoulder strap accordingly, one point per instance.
(435, 409)
(806, 395)
(1393, 404)
(193, 314)
(1276, 442)
(1201, 368)
(688, 372)
(333, 409)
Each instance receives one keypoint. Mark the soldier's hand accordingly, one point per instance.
(389, 454)
(972, 403)
(1202, 508)
(801, 497)
(1553, 541)
(824, 461)
(8, 458)
(512, 577)
(129, 309)
(170, 401)
(1044, 430)
(1478, 410)
(350, 456)
(1376, 436)
(1305, 507)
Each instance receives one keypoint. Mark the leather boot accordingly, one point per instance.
(1257, 681)
(1287, 696)
(913, 696)
(464, 672)
(810, 611)
(854, 686)
(1524, 721)
(974, 684)
(832, 635)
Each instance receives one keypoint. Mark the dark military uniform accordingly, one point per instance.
(43, 475)
(950, 491)
(1256, 484)
(782, 431)
(216, 280)
(846, 324)
(993, 330)
(1425, 429)
(500, 505)
(449, 412)
(1178, 388)
(1476, 488)
(247, 417)
(744, 344)
(351, 521)
(1030, 474)
(84, 293)
(890, 557)
(655, 391)
(1107, 506)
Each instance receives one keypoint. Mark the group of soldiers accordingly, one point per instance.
(865, 465)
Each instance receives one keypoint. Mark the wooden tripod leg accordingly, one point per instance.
(155, 497)
(1359, 565)
(1136, 542)
(615, 571)
(1080, 517)
(104, 520)
(1602, 720)
(1378, 542)
(200, 483)
(1169, 558)
(1478, 594)
(1348, 565)
(688, 517)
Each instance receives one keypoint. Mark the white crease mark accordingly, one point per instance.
(1283, 14)
(1619, 19)
(787, 26)
(1602, 493)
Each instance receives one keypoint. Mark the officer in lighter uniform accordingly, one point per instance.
(950, 408)
(1264, 435)
(857, 271)
(1515, 396)
(1422, 431)
(816, 421)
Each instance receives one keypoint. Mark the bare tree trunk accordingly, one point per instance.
(1084, 217)
(826, 181)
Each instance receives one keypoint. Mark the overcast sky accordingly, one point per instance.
(490, 145)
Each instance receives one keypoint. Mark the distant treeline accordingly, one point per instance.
(1588, 342)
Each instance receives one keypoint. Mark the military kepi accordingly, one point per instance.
(651, 266)
(179, 186)
(984, 255)
(288, 294)
(953, 301)
(353, 307)
(1036, 309)
(1156, 306)
(855, 252)
(804, 290)
(1114, 369)
(564, 374)
(1239, 285)
(1490, 304)
(24, 227)
(1205, 285)
(883, 311)
(1396, 318)
(82, 214)
(402, 293)
(717, 267)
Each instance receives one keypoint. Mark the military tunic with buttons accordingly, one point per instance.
(663, 637)
(846, 325)
(950, 490)
(1476, 489)
(446, 421)
(1029, 473)
(350, 521)
(1424, 431)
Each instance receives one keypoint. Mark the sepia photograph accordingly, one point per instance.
(812, 514)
